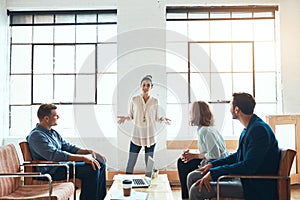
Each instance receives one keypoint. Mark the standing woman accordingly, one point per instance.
(211, 144)
(144, 114)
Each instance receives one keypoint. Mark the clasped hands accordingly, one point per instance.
(186, 156)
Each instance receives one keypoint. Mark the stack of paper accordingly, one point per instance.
(118, 194)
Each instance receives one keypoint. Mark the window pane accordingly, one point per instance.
(106, 120)
(43, 34)
(221, 57)
(265, 56)
(21, 34)
(216, 15)
(85, 59)
(64, 59)
(41, 19)
(263, 14)
(223, 119)
(107, 58)
(200, 87)
(105, 17)
(42, 88)
(241, 15)
(176, 31)
(64, 86)
(198, 30)
(176, 57)
(265, 87)
(107, 95)
(242, 57)
(180, 121)
(197, 15)
(220, 30)
(85, 88)
(85, 18)
(177, 88)
(199, 57)
(263, 30)
(264, 109)
(43, 59)
(86, 33)
(20, 120)
(221, 86)
(66, 124)
(64, 34)
(34, 118)
(242, 30)
(242, 82)
(107, 33)
(22, 19)
(177, 15)
(20, 89)
(65, 18)
(21, 59)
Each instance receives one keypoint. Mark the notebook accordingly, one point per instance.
(144, 182)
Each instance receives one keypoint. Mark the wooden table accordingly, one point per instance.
(159, 188)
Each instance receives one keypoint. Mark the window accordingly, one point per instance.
(62, 57)
(215, 51)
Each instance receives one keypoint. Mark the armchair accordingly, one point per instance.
(283, 177)
(11, 186)
(29, 163)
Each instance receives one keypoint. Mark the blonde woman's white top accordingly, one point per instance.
(144, 117)
(211, 143)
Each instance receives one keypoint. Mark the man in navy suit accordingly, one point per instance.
(258, 153)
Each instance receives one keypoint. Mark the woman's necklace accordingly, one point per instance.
(144, 118)
(145, 107)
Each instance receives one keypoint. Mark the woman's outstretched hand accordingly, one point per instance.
(165, 120)
(122, 119)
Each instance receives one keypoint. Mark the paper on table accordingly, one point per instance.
(118, 194)
(122, 176)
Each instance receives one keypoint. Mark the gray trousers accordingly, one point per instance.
(228, 188)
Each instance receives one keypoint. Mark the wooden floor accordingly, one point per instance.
(295, 192)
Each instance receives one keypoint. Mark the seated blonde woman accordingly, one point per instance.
(211, 144)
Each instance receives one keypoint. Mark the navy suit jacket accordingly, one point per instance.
(258, 154)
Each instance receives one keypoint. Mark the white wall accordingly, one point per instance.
(290, 51)
(3, 71)
(140, 40)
